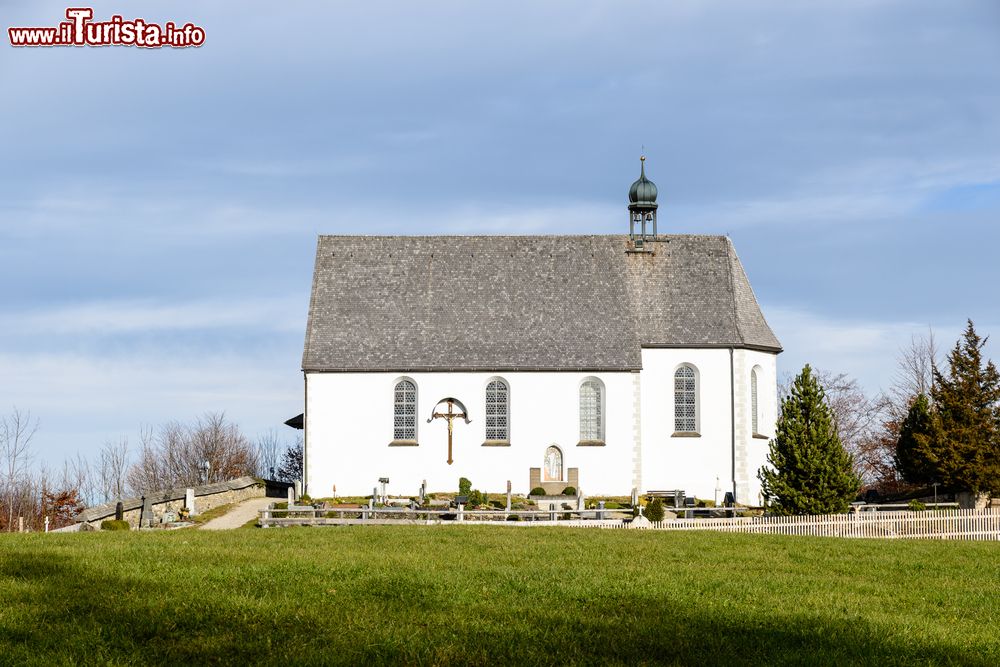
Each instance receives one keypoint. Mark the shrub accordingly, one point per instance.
(514, 517)
(569, 491)
(306, 499)
(464, 486)
(612, 506)
(917, 506)
(654, 510)
(115, 524)
(476, 498)
(537, 491)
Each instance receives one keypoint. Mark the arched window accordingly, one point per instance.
(591, 410)
(405, 411)
(553, 469)
(685, 400)
(497, 411)
(753, 402)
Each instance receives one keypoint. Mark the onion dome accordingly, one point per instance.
(642, 194)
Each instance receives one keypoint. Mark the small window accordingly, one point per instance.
(553, 470)
(685, 400)
(405, 411)
(497, 411)
(591, 410)
(754, 419)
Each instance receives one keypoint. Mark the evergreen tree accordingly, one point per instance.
(290, 469)
(916, 459)
(965, 449)
(809, 470)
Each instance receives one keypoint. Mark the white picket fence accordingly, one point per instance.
(939, 524)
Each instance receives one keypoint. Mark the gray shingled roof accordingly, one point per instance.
(493, 303)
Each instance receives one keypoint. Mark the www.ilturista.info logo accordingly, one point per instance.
(81, 30)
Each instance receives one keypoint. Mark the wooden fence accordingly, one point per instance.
(948, 524)
(341, 516)
(940, 524)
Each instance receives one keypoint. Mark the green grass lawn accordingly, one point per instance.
(488, 595)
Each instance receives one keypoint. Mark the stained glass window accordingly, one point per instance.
(497, 411)
(685, 400)
(405, 411)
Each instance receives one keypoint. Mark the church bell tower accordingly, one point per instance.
(642, 209)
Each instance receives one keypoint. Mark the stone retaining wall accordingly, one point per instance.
(207, 496)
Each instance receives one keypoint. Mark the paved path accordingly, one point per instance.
(239, 515)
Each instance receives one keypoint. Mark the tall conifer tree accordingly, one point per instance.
(809, 470)
(916, 459)
(966, 445)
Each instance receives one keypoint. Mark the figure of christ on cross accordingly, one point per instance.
(451, 415)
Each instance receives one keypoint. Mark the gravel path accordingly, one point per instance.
(239, 515)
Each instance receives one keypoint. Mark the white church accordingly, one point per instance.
(607, 363)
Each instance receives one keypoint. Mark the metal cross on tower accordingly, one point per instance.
(451, 415)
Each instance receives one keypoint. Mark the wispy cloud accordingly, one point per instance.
(865, 349)
(129, 317)
(82, 400)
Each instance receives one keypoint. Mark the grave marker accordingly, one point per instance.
(146, 516)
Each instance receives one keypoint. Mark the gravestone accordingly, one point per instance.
(635, 496)
(600, 509)
(508, 495)
(291, 495)
(119, 511)
(298, 488)
(146, 516)
(189, 502)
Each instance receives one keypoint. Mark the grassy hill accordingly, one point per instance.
(488, 595)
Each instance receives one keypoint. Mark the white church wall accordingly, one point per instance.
(767, 407)
(349, 424)
(670, 461)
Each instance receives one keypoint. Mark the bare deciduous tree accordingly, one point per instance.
(16, 432)
(269, 447)
(78, 479)
(114, 460)
(914, 373)
(177, 455)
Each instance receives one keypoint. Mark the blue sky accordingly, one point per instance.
(158, 209)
